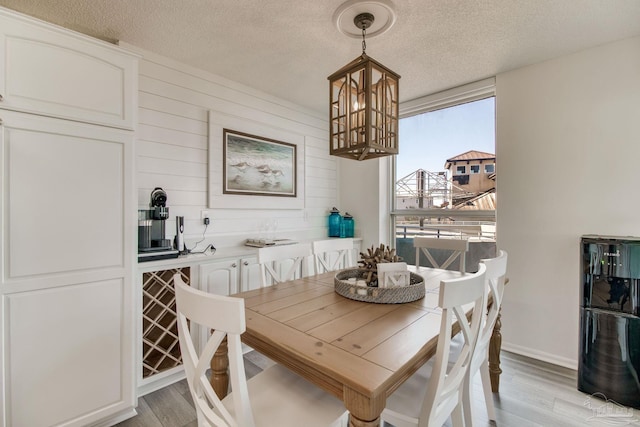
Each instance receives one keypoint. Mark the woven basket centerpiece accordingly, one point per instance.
(361, 284)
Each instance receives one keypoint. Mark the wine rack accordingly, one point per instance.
(160, 346)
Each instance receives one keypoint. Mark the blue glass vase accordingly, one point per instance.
(349, 225)
(334, 223)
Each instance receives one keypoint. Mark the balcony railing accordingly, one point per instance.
(468, 229)
(481, 238)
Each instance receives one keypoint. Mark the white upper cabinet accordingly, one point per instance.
(51, 71)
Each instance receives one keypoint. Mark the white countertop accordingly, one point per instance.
(199, 258)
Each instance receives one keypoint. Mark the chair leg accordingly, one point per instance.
(202, 421)
(467, 401)
(457, 416)
(486, 386)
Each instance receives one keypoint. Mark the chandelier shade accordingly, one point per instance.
(363, 109)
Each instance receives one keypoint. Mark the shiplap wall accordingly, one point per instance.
(172, 152)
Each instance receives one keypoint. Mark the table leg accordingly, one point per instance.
(495, 345)
(219, 370)
(364, 411)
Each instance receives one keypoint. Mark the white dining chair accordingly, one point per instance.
(430, 396)
(457, 247)
(274, 397)
(282, 263)
(495, 281)
(332, 254)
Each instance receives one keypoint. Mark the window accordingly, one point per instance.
(446, 140)
(461, 179)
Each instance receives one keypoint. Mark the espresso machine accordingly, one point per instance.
(152, 241)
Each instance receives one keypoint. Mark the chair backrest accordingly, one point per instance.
(225, 317)
(444, 391)
(282, 263)
(332, 255)
(458, 248)
(495, 280)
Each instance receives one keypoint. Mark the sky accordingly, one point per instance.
(428, 139)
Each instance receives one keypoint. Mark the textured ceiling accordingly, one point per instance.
(287, 48)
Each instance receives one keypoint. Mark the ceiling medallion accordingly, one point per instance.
(363, 95)
(383, 10)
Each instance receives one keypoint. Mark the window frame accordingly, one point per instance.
(471, 92)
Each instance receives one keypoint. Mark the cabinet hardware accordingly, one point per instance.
(1, 98)
(246, 263)
(234, 265)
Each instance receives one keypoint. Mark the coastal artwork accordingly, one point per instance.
(253, 165)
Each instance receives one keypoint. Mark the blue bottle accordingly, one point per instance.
(349, 225)
(334, 223)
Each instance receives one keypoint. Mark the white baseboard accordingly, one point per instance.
(129, 413)
(158, 381)
(541, 355)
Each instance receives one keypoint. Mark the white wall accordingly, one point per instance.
(364, 194)
(172, 151)
(568, 134)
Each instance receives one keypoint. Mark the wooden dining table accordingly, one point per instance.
(358, 351)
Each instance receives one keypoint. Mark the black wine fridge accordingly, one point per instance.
(609, 362)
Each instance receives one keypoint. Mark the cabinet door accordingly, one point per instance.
(66, 249)
(66, 193)
(220, 277)
(59, 73)
(64, 354)
(249, 274)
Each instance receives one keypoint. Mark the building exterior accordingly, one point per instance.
(468, 183)
(472, 173)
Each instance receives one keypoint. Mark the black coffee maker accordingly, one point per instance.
(152, 242)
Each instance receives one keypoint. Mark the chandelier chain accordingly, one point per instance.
(364, 43)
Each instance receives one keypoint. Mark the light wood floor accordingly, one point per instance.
(532, 394)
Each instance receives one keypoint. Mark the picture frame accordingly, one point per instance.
(258, 166)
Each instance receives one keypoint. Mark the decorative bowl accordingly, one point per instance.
(398, 295)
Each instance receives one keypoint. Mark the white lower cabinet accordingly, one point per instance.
(65, 354)
(159, 359)
(249, 274)
(229, 276)
(219, 277)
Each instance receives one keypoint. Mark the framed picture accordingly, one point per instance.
(253, 165)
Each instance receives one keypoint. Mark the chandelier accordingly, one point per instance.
(363, 105)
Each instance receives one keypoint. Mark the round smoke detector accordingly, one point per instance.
(382, 10)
